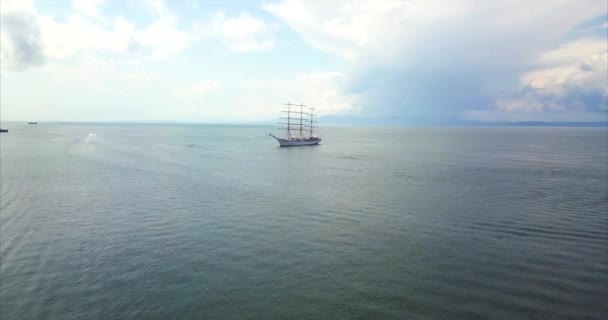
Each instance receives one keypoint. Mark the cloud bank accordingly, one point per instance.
(243, 33)
(437, 60)
(20, 40)
(407, 61)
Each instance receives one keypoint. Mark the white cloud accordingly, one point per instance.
(403, 58)
(90, 89)
(574, 51)
(575, 79)
(20, 36)
(262, 99)
(20, 41)
(141, 75)
(84, 31)
(433, 59)
(348, 28)
(243, 33)
(163, 39)
(356, 29)
(158, 8)
(196, 90)
(94, 73)
(9, 6)
(320, 90)
(80, 34)
(89, 8)
(587, 71)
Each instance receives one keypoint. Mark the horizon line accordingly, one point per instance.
(346, 123)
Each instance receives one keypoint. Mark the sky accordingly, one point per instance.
(239, 61)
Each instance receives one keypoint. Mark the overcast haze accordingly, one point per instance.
(216, 61)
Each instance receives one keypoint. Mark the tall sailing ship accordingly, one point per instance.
(300, 129)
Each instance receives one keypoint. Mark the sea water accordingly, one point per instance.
(150, 221)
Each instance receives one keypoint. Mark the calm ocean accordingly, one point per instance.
(147, 221)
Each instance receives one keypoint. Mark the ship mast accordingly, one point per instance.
(311, 120)
(302, 129)
(288, 104)
(301, 113)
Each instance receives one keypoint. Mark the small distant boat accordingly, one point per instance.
(299, 129)
(3, 130)
(32, 122)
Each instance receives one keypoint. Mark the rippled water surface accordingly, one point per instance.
(102, 221)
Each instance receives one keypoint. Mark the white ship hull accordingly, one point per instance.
(296, 142)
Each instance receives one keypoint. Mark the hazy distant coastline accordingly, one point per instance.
(360, 121)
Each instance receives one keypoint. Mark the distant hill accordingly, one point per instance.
(559, 124)
(358, 120)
